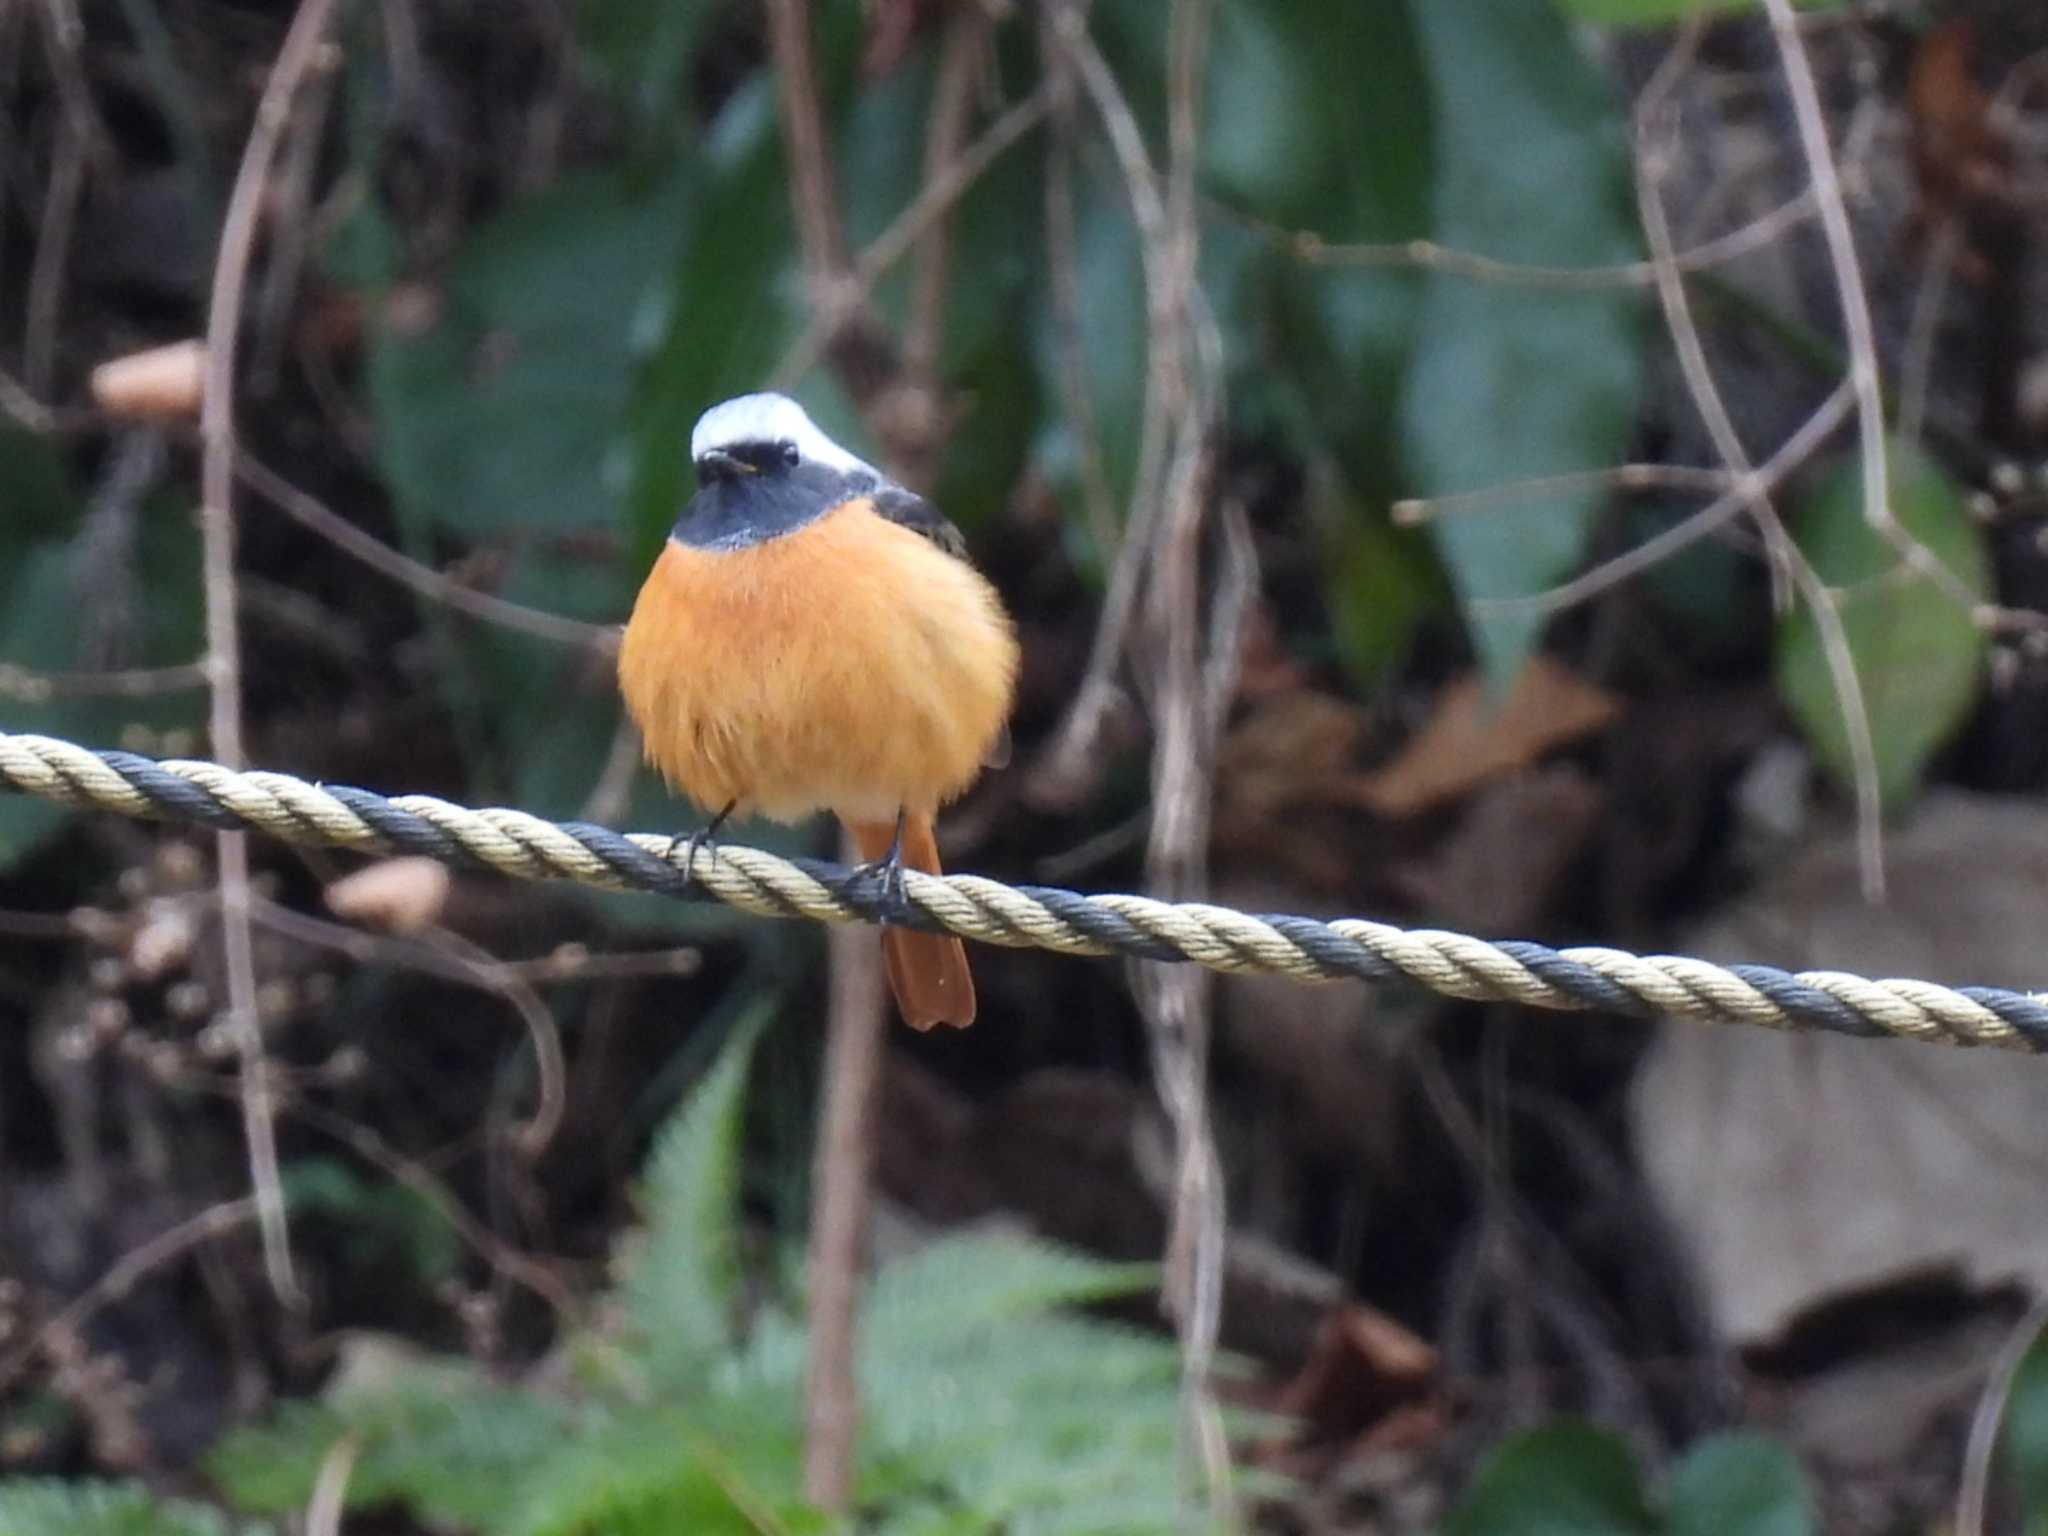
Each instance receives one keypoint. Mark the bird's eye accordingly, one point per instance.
(790, 457)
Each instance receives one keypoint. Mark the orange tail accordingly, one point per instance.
(927, 971)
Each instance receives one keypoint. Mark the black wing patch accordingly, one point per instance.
(919, 516)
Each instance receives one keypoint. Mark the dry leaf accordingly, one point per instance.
(396, 895)
(1368, 1385)
(1962, 161)
(162, 384)
(1473, 738)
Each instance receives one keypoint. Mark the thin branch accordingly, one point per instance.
(1412, 511)
(78, 138)
(844, 1153)
(28, 687)
(1841, 245)
(1063, 272)
(1856, 324)
(303, 45)
(1916, 369)
(125, 1273)
(1713, 409)
(1973, 1495)
(330, 1486)
(812, 189)
(1427, 255)
(933, 201)
(518, 1267)
(18, 401)
(1067, 764)
(945, 135)
(842, 1176)
(453, 958)
(315, 515)
(1741, 496)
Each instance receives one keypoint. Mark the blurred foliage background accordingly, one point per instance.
(1491, 305)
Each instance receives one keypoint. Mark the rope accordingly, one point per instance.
(1299, 948)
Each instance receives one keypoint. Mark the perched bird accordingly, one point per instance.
(813, 638)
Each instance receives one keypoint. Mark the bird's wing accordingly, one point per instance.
(919, 516)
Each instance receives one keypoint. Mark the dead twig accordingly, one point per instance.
(1742, 494)
(813, 193)
(78, 140)
(1713, 409)
(453, 958)
(945, 138)
(842, 1177)
(1308, 247)
(844, 1153)
(1063, 270)
(518, 1267)
(933, 201)
(330, 1486)
(315, 515)
(125, 1273)
(1857, 329)
(28, 687)
(1974, 1493)
(302, 46)
(1069, 763)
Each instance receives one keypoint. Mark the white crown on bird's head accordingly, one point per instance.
(771, 418)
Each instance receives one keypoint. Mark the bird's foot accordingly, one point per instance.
(885, 874)
(705, 839)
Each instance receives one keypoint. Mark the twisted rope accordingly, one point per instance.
(1299, 948)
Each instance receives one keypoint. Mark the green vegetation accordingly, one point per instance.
(990, 1405)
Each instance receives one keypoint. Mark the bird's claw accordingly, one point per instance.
(892, 900)
(703, 839)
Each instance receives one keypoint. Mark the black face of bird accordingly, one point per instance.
(733, 460)
(750, 493)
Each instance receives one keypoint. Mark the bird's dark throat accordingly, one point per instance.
(761, 498)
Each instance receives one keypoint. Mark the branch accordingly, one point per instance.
(303, 45)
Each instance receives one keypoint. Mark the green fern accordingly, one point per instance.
(669, 1470)
(31, 1507)
(446, 1442)
(989, 1408)
(682, 1292)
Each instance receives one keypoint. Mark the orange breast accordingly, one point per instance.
(849, 666)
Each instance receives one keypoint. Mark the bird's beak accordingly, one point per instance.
(717, 464)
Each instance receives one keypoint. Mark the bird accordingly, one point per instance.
(813, 637)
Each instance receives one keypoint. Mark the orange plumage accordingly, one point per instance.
(848, 665)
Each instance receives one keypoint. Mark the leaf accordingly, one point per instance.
(380, 1226)
(642, 51)
(730, 303)
(960, 1284)
(1653, 13)
(36, 498)
(2026, 1435)
(46, 622)
(1307, 87)
(500, 414)
(1035, 1419)
(33, 1507)
(1917, 653)
(1380, 580)
(1739, 1485)
(1471, 738)
(683, 1292)
(735, 1474)
(446, 1442)
(1566, 1479)
(1113, 342)
(1508, 382)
